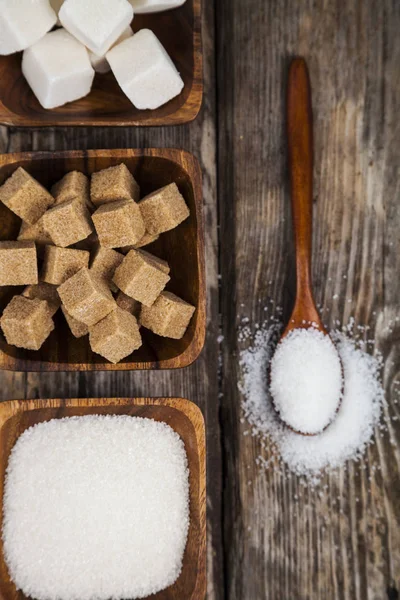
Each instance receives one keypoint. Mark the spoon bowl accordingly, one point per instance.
(301, 157)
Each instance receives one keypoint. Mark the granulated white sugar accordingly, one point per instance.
(306, 380)
(351, 431)
(95, 508)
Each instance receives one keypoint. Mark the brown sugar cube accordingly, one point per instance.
(61, 263)
(159, 262)
(88, 243)
(169, 316)
(114, 183)
(86, 297)
(26, 323)
(104, 263)
(145, 241)
(67, 223)
(129, 304)
(77, 328)
(44, 291)
(163, 210)
(140, 278)
(118, 224)
(18, 263)
(25, 196)
(116, 336)
(34, 233)
(73, 186)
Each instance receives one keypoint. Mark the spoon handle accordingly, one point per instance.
(300, 146)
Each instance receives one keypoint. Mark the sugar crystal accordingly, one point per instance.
(96, 507)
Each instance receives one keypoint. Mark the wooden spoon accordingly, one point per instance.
(301, 159)
(300, 144)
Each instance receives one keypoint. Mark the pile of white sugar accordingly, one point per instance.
(306, 380)
(95, 508)
(353, 427)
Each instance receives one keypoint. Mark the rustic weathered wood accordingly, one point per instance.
(344, 544)
(182, 248)
(284, 541)
(183, 416)
(180, 33)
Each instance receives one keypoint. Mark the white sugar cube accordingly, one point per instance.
(100, 63)
(24, 22)
(58, 69)
(150, 6)
(144, 70)
(96, 23)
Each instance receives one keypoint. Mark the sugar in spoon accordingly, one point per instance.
(291, 369)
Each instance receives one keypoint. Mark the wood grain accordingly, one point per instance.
(183, 416)
(182, 248)
(282, 540)
(346, 543)
(180, 33)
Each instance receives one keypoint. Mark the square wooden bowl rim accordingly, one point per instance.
(9, 363)
(11, 408)
(185, 114)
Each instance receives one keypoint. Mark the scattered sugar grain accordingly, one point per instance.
(352, 430)
(306, 380)
(96, 507)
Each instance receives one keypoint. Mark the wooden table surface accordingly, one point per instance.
(341, 541)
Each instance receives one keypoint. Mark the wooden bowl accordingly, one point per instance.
(183, 248)
(179, 31)
(183, 416)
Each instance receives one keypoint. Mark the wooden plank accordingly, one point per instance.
(341, 541)
(198, 382)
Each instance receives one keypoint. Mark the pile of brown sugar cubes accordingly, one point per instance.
(90, 235)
